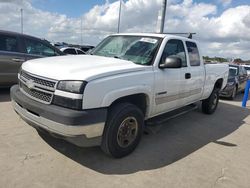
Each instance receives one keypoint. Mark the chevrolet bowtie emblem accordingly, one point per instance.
(30, 84)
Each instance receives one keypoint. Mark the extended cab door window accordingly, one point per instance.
(175, 48)
(193, 53)
(34, 47)
(195, 82)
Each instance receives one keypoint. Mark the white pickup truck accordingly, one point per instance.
(105, 97)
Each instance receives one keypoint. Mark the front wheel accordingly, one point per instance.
(234, 93)
(210, 104)
(123, 130)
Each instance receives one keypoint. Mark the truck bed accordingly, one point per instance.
(213, 73)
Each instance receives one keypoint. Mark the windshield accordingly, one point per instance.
(138, 49)
(233, 71)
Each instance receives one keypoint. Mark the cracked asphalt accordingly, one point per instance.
(190, 151)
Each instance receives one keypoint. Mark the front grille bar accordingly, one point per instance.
(37, 88)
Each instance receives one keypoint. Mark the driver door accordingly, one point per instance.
(170, 82)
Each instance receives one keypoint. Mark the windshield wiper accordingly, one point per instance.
(117, 57)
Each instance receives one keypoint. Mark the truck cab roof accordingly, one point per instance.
(158, 35)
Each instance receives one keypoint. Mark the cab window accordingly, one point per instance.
(175, 48)
(193, 53)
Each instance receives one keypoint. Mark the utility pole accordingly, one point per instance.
(119, 18)
(163, 15)
(21, 20)
(81, 30)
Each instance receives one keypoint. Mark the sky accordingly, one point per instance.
(222, 26)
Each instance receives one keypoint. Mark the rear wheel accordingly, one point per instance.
(123, 130)
(210, 104)
(234, 93)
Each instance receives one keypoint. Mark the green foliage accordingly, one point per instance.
(221, 60)
(214, 59)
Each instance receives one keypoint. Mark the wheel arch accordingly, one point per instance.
(141, 100)
(218, 84)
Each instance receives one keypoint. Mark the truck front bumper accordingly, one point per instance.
(82, 128)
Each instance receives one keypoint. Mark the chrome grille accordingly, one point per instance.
(40, 89)
(39, 95)
(38, 80)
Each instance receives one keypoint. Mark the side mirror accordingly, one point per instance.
(171, 62)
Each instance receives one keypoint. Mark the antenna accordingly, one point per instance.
(190, 35)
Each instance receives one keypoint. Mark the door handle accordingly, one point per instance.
(18, 60)
(187, 75)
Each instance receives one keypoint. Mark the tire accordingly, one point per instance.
(210, 104)
(123, 130)
(232, 97)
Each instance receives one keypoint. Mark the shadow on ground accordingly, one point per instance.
(176, 139)
(4, 94)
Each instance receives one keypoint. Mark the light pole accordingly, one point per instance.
(119, 18)
(163, 15)
(21, 10)
(81, 30)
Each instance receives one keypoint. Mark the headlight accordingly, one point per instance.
(230, 83)
(72, 86)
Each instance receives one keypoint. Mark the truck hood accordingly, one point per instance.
(79, 67)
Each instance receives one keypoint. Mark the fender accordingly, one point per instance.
(208, 89)
(112, 96)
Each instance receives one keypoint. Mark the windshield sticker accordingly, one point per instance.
(149, 40)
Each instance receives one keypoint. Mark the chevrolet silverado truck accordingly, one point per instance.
(106, 97)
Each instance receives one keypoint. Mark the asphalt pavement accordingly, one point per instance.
(191, 151)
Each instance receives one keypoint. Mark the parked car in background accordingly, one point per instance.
(247, 67)
(16, 48)
(86, 48)
(237, 80)
(72, 51)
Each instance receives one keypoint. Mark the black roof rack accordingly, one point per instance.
(190, 35)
